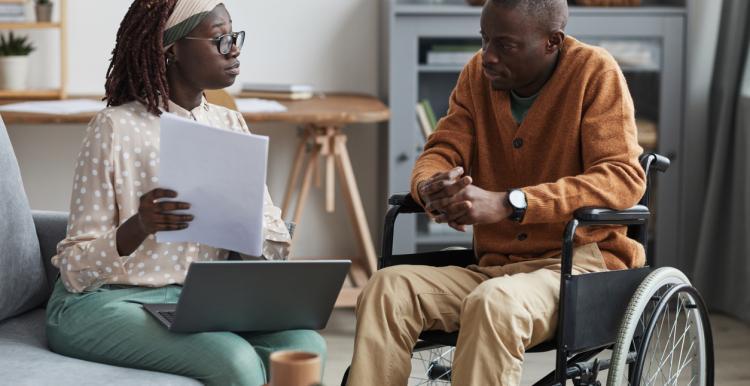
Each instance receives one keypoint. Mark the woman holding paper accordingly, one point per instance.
(167, 53)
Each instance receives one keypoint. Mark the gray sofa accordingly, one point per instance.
(27, 242)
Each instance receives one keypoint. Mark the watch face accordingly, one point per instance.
(517, 199)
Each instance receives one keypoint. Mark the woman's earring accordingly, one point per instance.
(169, 61)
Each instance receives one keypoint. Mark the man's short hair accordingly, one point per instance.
(550, 14)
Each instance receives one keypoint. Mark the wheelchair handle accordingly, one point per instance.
(653, 161)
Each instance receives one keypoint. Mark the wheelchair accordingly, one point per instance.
(642, 326)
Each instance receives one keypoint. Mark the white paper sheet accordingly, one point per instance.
(64, 107)
(222, 175)
(255, 105)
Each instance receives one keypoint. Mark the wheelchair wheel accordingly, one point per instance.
(432, 366)
(665, 337)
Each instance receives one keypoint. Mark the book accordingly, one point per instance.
(277, 87)
(12, 9)
(13, 19)
(276, 95)
(449, 58)
(451, 54)
(472, 48)
(430, 113)
(423, 121)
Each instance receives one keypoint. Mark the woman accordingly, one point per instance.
(167, 53)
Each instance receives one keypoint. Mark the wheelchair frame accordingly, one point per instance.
(577, 338)
(581, 334)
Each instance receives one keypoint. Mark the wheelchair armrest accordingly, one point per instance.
(406, 203)
(638, 214)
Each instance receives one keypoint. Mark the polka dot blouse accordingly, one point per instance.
(119, 162)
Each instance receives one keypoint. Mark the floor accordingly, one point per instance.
(731, 342)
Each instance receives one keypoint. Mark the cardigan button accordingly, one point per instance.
(522, 236)
(517, 143)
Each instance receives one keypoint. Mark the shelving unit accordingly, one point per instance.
(57, 93)
(657, 90)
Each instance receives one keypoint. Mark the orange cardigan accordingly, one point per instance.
(577, 147)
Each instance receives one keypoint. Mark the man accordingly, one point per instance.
(538, 126)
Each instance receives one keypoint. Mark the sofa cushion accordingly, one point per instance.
(23, 285)
(26, 360)
(50, 229)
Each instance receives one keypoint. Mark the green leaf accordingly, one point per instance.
(12, 45)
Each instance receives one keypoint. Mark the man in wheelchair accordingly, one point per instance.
(538, 126)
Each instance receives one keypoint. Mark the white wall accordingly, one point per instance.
(331, 44)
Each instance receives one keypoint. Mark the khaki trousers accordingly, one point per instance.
(501, 311)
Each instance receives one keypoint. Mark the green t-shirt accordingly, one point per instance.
(519, 105)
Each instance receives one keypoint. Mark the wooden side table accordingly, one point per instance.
(323, 140)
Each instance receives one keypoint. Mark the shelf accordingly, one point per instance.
(31, 94)
(444, 238)
(29, 25)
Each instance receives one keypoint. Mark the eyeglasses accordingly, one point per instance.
(225, 42)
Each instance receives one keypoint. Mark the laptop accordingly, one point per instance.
(254, 296)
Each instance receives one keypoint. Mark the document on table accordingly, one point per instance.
(222, 174)
(255, 105)
(64, 107)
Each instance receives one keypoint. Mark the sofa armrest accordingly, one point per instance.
(50, 230)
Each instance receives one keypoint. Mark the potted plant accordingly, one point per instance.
(14, 61)
(43, 10)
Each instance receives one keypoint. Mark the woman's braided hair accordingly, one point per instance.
(137, 70)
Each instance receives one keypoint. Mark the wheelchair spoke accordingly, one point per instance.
(677, 336)
(674, 345)
(669, 337)
(434, 367)
(682, 346)
(672, 362)
(679, 371)
(658, 339)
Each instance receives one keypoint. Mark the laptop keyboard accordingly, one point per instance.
(168, 315)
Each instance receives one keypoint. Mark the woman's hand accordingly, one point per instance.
(153, 216)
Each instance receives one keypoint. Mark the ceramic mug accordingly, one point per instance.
(294, 368)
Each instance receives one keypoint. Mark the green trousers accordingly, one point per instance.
(110, 326)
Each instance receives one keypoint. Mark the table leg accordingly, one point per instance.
(330, 176)
(354, 202)
(299, 158)
(330, 143)
(305, 185)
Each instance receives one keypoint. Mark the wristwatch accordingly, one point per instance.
(517, 202)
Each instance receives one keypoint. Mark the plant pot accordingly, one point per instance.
(43, 12)
(14, 72)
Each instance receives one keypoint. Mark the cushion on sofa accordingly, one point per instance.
(23, 283)
(26, 360)
(50, 229)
